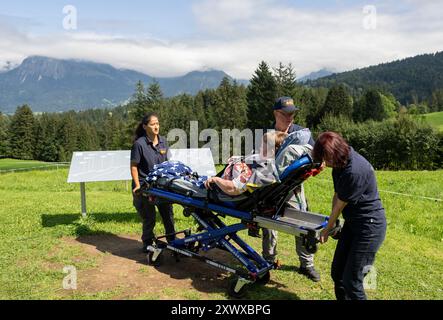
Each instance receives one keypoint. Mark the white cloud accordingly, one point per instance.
(236, 35)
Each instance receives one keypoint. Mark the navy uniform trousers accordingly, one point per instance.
(147, 213)
(354, 255)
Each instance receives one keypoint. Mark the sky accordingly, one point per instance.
(171, 38)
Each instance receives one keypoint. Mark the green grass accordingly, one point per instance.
(435, 119)
(39, 210)
(14, 164)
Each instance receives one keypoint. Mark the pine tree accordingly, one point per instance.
(436, 102)
(88, 140)
(47, 144)
(286, 80)
(338, 102)
(261, 95)
(231, 106)
(209, 98)
(198, 111)
(68, 137)
(374, 105)
(21, 134)
(139, 104)
(3, 135)
(156, 103)
(154, 96)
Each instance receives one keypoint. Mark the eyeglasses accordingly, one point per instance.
(286, 114)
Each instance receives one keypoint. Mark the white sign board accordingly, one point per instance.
(100, 166)
(199, 160)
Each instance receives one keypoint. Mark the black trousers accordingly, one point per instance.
(147, 213)
(354, 255)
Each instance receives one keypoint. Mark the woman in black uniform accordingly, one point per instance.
(356, 196)
(149, 149)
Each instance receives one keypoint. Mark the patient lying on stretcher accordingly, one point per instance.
(242, 173)
(253, 171)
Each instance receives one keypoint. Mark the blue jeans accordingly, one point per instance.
(354, 255)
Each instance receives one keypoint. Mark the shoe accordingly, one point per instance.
(277, 264)
(310, 272)
(255, 232)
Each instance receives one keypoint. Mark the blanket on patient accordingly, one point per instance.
(173, 170)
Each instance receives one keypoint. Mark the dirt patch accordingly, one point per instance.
(123, 268)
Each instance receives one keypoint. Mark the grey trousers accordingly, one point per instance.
(270, 237)
(269, 243)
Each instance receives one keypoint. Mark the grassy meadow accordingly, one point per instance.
(40, 228)
(435, 119)
(19, 165)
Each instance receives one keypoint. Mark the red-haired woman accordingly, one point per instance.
(356, 196)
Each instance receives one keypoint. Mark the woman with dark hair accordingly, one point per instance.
(356, 196)
(149, 149)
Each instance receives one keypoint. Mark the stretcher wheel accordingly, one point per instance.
(264, 279)
(236, 294)
(310, 243)
(311, 247)
(157, 261)
(187, 212)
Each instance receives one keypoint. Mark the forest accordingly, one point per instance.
(373, 120)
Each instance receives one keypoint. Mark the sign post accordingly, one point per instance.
(83, 198)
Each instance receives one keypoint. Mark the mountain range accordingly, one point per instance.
(53, 85)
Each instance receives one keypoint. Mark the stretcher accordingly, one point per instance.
(266, 207)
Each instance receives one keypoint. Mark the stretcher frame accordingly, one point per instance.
(214, 233)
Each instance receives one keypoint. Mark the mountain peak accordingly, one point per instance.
(316, 75)
(37, 67)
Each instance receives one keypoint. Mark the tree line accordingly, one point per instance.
(374, 122)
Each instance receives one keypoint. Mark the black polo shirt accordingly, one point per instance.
(356, 184)
(146, 155)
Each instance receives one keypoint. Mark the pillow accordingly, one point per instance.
(289, 154)
(300, 137)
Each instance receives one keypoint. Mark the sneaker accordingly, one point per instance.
(310, 272)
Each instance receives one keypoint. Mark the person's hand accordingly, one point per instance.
(324, 235)
(136, 190)
(208, 183)
(323, 166)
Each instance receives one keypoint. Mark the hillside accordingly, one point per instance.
(52, 85)
(407, 79)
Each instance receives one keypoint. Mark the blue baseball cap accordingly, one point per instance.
(285, 104)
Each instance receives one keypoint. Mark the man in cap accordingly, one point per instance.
(284, 112)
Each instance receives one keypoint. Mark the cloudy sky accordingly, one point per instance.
(172, 37)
